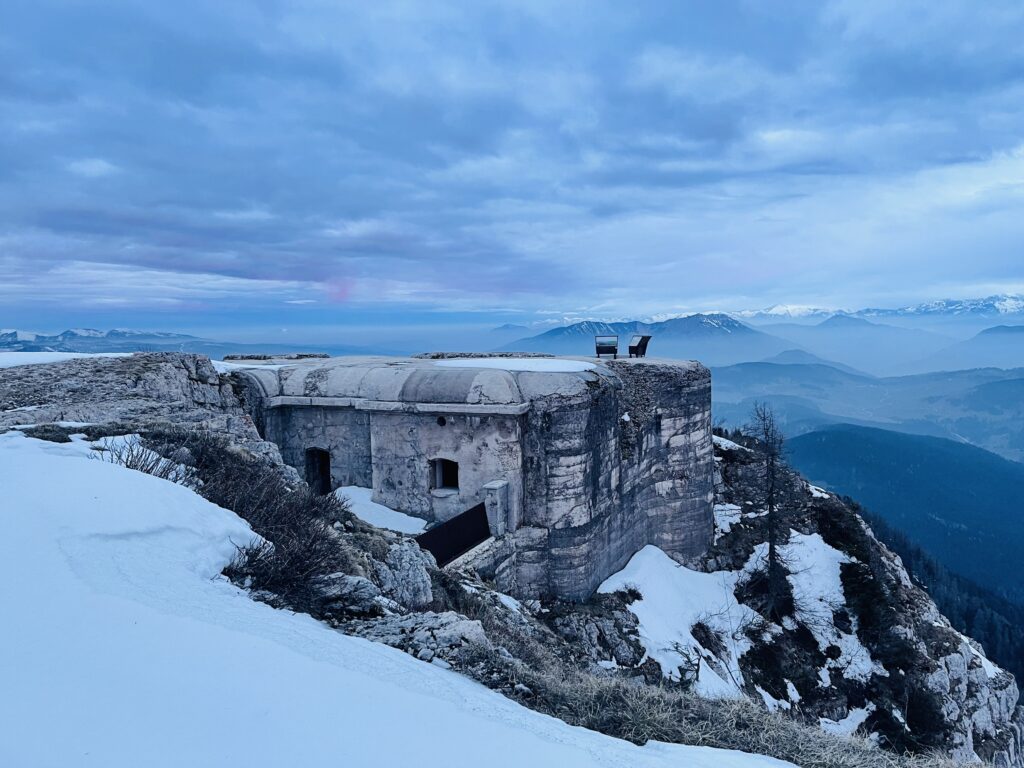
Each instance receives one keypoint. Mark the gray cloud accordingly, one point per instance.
(585, 157)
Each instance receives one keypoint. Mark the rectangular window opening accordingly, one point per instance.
(445, 474)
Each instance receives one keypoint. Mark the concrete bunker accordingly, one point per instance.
(572, 465)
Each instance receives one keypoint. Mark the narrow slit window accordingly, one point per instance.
(445, 474)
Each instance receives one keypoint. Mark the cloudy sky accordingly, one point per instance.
(242, 167)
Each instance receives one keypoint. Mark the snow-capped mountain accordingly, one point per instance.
(84, 340)
(785, 312)
(15, 335)
(991, 306)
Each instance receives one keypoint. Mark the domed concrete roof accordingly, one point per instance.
(463, 381)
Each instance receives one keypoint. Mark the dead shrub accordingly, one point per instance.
(299, 544)
(129, 452)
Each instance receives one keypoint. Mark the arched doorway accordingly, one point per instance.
(318, 470)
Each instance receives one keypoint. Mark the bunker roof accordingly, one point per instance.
(473, 384)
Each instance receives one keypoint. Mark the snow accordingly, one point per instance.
(376, 514)
(727, 445)
(818, 493)
(545, 364)
(20, 335)
(725, 516)
(674, 599)
(223, 366)
(990, 669)
(770, 702)
(11, 359)
(849, 724)
(510, 602)
(123, 646)
(1010, 305)
(818, 590)
(786, 310)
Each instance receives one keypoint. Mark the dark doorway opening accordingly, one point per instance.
(456, 536)
(318, 470)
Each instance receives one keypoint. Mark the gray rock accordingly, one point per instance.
(403, 576)
(145, 390)
(437, 636)
(354, 594)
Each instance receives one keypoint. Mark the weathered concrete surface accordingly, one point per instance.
(592, 464)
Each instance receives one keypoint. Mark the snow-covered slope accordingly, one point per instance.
(123, 646)
(675, 599)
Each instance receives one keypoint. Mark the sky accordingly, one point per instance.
(270, 168)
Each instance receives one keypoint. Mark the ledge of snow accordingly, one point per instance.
(727, 445)
(376, 514)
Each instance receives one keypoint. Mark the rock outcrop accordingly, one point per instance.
(918, 683)
(142, 389)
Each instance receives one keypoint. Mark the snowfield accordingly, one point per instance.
(227, 366)
(11, 359)
(123, 646)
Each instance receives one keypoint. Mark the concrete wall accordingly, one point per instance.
(600, 487)
(487, 448)
(391, 453)
(585, 476)
(343, 432)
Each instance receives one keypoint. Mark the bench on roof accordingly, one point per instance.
(607, 345)
(638, 346)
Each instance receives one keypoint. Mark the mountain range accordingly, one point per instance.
(960, 503)
(1000, 305)
(982, 406)
(127, 340)
(849, 342)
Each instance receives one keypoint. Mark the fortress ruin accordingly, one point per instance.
(550, 472)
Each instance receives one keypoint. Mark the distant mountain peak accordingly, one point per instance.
(990, 306)
(845, 321)
(783, 311)
(999, 330)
